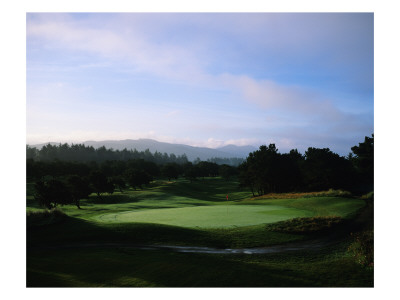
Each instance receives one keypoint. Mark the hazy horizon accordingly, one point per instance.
(80, 142)
(298, 80)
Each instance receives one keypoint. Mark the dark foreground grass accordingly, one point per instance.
(122, 267)
(100, 266)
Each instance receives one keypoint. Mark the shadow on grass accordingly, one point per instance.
(75, 230)
(112, 199)
(207, 189)
(127, 267)
(119, 266)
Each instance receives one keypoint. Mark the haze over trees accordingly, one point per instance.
(118, 150)
(82, 153)
(62, 180)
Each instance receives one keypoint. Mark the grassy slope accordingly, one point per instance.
(122, 267)
(208, 210)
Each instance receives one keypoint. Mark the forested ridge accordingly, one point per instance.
(76, 171)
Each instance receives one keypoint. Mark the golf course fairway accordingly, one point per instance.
(213, 216)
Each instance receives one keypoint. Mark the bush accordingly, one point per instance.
(44, 217)
(362, 248)
(330, 193)
(369, 196)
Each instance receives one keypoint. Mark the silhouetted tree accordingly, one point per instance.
(136, 178)
(79, 189)
(119, 182)
(227, 172)
(324, 169)
(100, 183)
(52, 192)
(170, 170)
(190, 171)
(363, 161)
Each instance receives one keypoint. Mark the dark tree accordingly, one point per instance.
(266, 171)
(247, 176)
(51, 193)
(119, 182)
(324, 169)
(170, 170)
(137, 178)
(363, 160)
(227, 172)
(79, 189)
(100, 183)
(190, 171)
(207, 169)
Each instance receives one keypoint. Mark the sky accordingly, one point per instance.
(298, 80)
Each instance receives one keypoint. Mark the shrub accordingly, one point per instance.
(44, 217)
(369, 196)
(330, 193)
(362, 248)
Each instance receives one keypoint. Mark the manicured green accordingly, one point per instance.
(202, 204)
(209, 216)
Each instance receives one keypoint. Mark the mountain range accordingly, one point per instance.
(228, 151)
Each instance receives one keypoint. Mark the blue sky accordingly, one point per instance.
(296, 79)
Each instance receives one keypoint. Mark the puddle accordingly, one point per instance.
(260, 250)
(305, 245)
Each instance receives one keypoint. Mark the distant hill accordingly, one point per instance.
(229, 151)
(238, 151)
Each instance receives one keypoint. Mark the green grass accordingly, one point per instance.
(191, 214)
(318, 206)
(161, 212)
(209, 216)
(202, 204)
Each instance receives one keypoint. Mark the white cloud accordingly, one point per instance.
(130, 47)
(187, 63)
(173, 62)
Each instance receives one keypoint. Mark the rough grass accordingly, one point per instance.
(44, 217)
(306, 225)
(362, 248)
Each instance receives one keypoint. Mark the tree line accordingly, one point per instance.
(83, 153)
(65, 182)
(266, 170)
